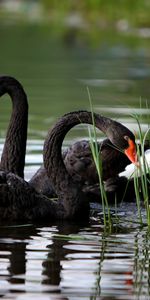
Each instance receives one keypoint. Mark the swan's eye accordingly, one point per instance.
(126, 138)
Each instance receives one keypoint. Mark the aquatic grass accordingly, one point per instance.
(138, 197)
(140, 174)
(140, 178)
(96, 153)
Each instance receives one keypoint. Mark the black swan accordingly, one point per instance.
(13, 155)
(61, 181)
(18, 200)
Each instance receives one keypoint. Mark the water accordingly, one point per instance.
(81, 260)
(74, 261)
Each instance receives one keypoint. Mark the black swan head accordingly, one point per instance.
(13, 155)
(123, 139)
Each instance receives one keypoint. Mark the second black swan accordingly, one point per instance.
(80, 165)
(18, 200)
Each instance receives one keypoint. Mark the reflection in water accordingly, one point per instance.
(71, 261)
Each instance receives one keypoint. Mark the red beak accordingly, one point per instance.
(131, 151)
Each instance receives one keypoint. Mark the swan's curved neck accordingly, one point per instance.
(52, 147)
(13, 156)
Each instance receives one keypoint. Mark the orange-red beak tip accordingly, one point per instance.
(131, 152)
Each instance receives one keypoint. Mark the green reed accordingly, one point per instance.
(96, 153)
(141, 181)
